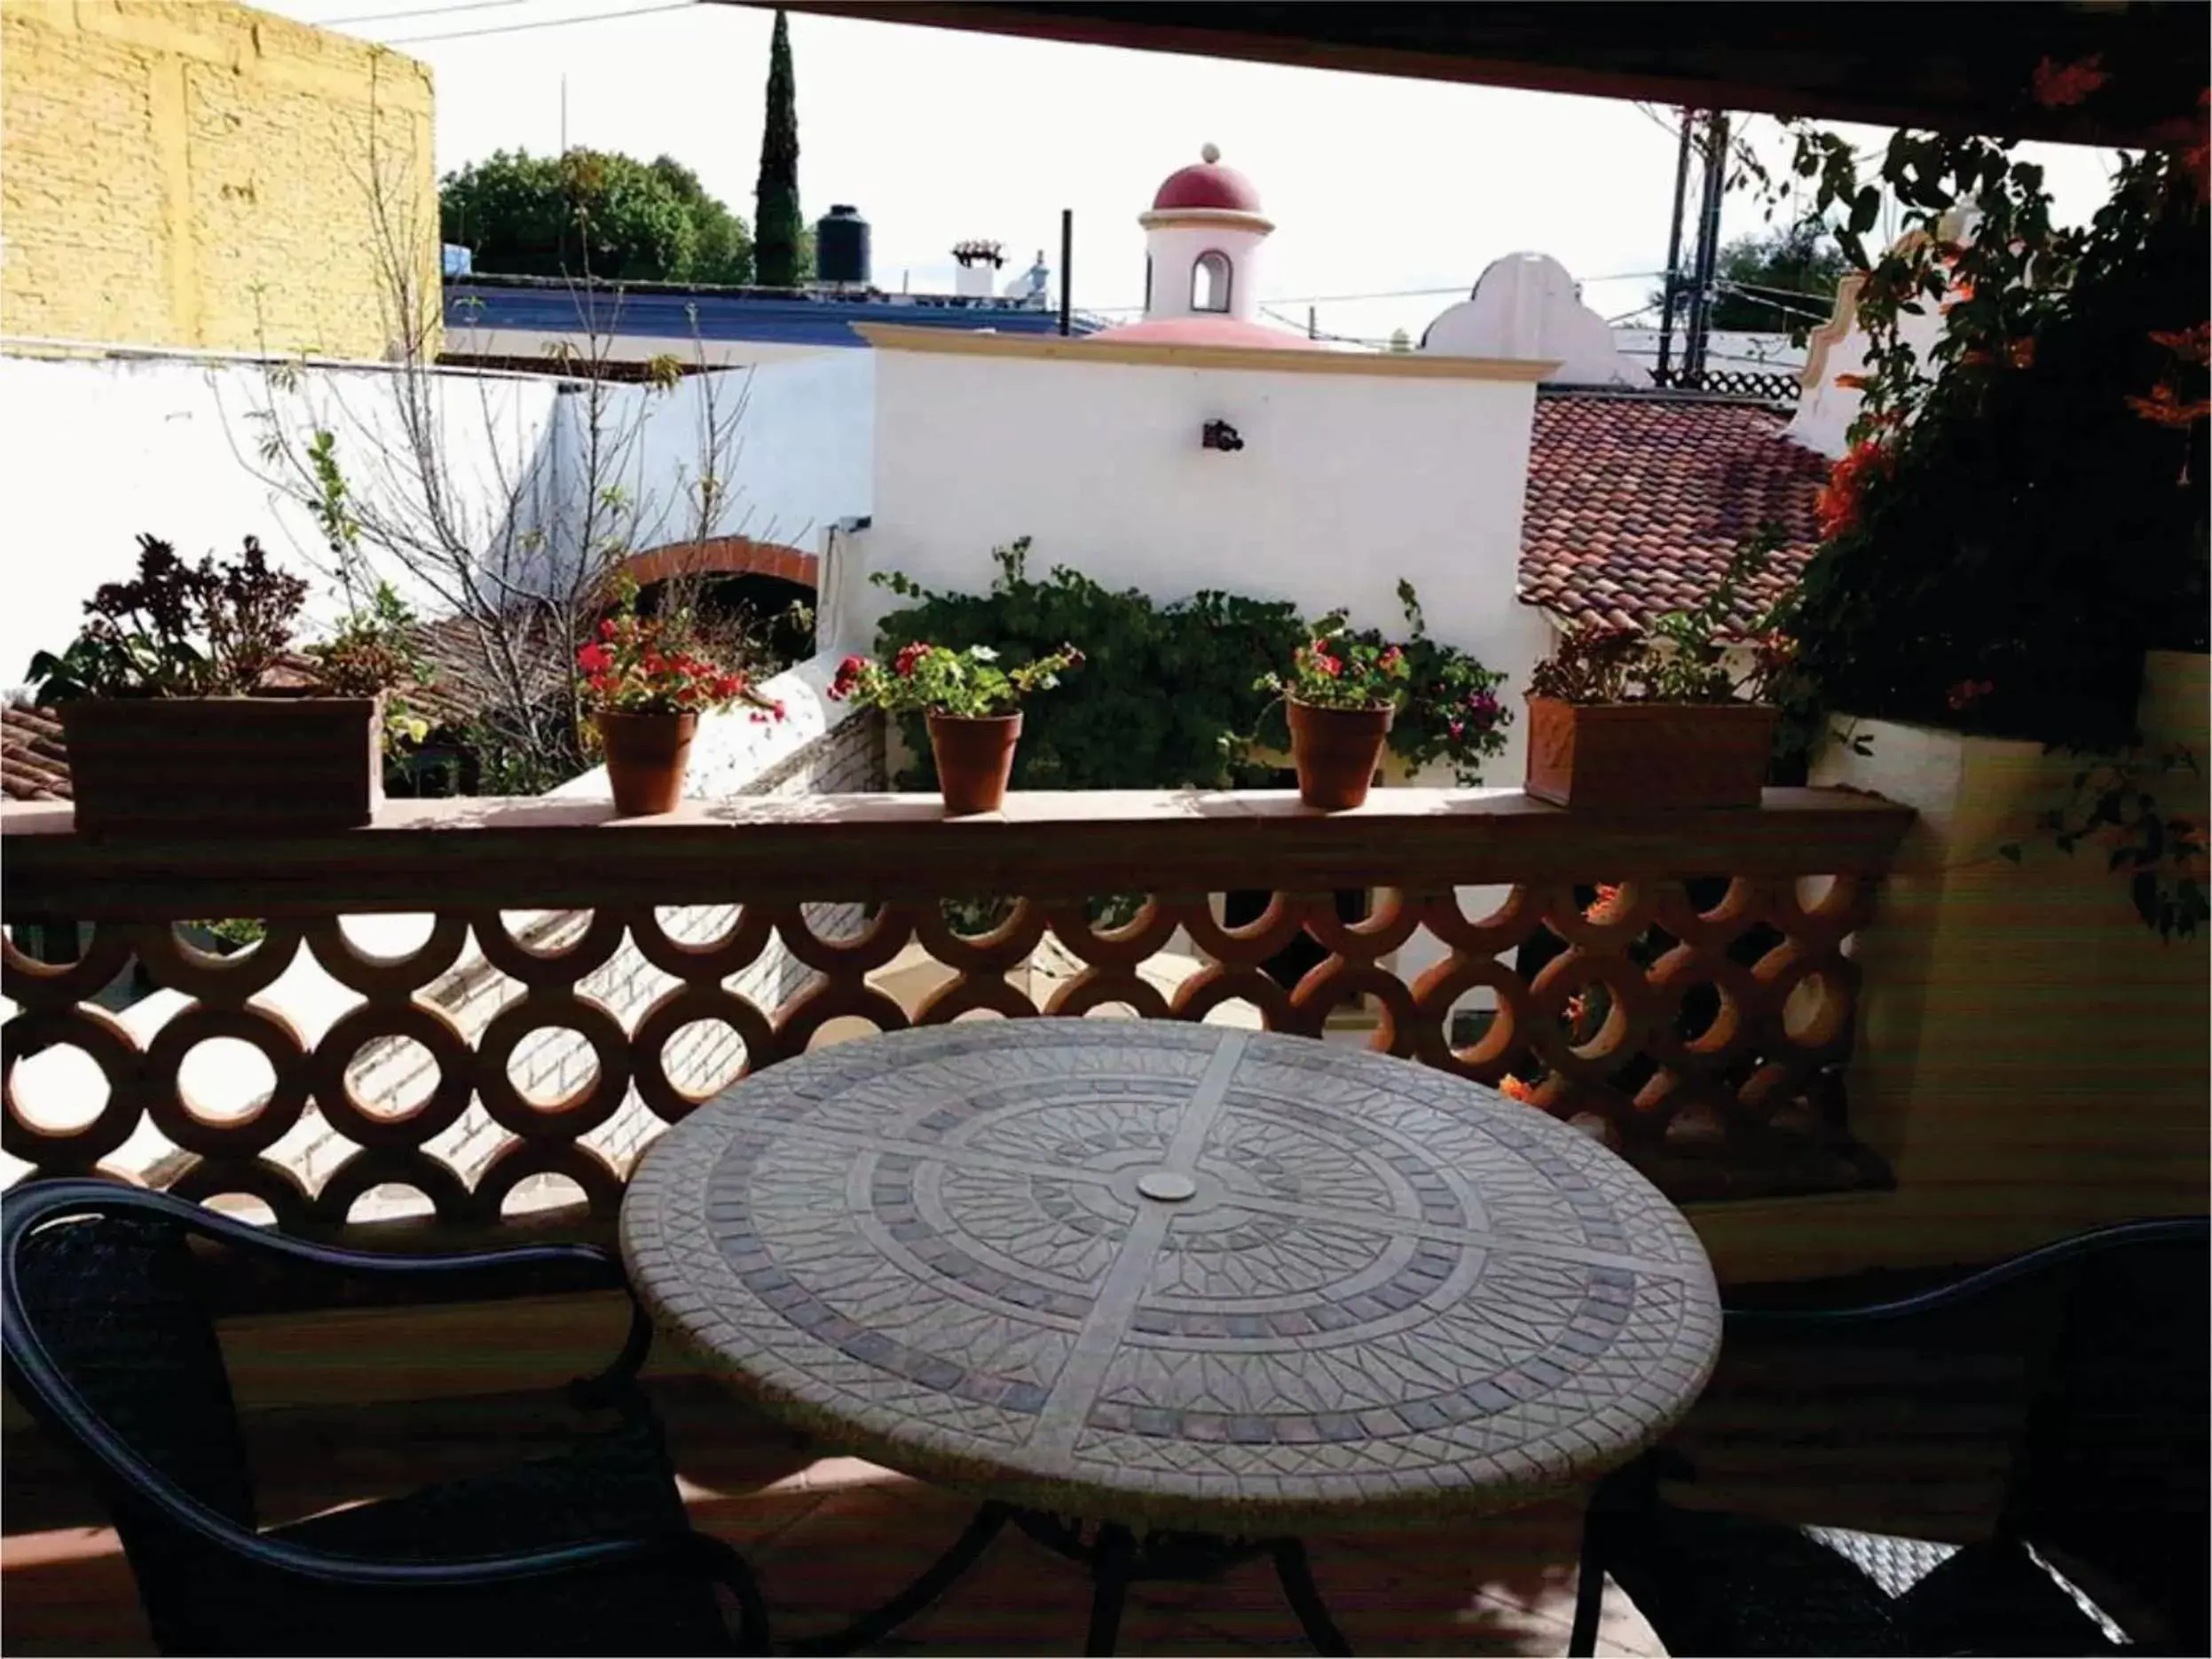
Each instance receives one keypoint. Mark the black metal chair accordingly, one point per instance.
(2105, 1493)
(109, 1344)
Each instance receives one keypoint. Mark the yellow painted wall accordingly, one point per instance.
(193, 173)
(2031, 1060)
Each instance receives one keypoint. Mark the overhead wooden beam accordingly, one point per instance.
(1943, 63)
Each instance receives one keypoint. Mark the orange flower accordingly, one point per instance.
(1514, 1089)
(1837, 508)
(1853, 382)
(2192, 345)
(2165, 407)
(2060, 86)
(1604, 908)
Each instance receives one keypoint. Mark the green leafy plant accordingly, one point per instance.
(374, 649)
(2163, 857)
(177, 630)
(1110, 727)
(925, 679)
(1683, 657)
(2023, 510)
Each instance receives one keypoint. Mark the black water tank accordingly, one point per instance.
(841, 246)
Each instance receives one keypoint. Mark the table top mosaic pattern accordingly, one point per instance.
(1175, 1275)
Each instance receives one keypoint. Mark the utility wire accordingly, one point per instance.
(428, 10)
(551, 22)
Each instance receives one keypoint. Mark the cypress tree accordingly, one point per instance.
(777, 229)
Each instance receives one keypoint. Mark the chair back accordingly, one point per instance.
(105, 1322)
(2111, 1478)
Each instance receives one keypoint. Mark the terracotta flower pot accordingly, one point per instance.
(975, 759)
(647, 757)
(250, 766)
(1637, 756)
(1336, 751)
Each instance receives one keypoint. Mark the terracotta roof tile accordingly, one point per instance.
(1635, 504)
(34, 765)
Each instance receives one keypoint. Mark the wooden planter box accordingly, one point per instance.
(253, 766)
(1622, 756)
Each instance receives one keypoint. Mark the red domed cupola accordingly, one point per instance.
(1206, 187)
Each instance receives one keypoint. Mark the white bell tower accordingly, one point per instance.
(1203, 233)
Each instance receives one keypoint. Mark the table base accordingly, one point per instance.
(1116, 1558)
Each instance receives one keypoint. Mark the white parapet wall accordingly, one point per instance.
(2031, 1060)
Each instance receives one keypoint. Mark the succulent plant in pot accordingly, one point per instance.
(645, 686)
(973, 707)
(1627, 718)
(185, 709)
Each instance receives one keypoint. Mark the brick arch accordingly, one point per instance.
(725, 555)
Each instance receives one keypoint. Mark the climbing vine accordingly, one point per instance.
(2022, 511)
(1169, 694)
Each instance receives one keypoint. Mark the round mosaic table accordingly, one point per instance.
(1165, 1276)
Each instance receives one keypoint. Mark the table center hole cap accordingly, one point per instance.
(1166, 1186)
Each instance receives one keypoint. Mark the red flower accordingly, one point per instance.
(908, 656)
(1514, 1089)
(1606, 906)
(1966, 693)
(2060, 86)
(2023, 353)
(594, 660)
(607, 629)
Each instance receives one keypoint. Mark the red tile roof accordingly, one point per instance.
(1635, 504)
(34, 765)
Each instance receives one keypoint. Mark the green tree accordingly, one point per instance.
(775, 199)
(1759, 278)
(594, 213)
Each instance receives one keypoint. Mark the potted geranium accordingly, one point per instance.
(1619, 717)
(1350, 693)
(973, 708)
(183, 708)
(1340, 699)
(645, 688)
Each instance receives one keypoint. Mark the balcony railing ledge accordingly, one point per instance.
(535, 853)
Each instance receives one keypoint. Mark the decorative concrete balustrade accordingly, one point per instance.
(1705, 1044)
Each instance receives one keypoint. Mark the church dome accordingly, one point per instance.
(1206, 187)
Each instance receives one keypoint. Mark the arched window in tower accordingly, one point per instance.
(1209, 283)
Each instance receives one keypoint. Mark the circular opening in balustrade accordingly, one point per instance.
(392, 1077)
(843, 1029)
(1238, 1012)
(698, 925)
(546, 933)
(1816, 1010)
(703, 1057)
(389, 1200)
(224, 1079)
(389, 936)
(242, 1206)
(552, 1066)
(548, 1191)
(60, 1090)
(1110, 1010)
(1813, 892)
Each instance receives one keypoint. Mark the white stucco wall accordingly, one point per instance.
(99, 450)
(1527, 306)
(1346, 483)
(800, 459)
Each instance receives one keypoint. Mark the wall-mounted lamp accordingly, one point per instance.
(1221, 436)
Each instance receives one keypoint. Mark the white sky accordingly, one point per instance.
(1375, 185)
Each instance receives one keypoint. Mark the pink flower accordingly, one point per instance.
(908, 656)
